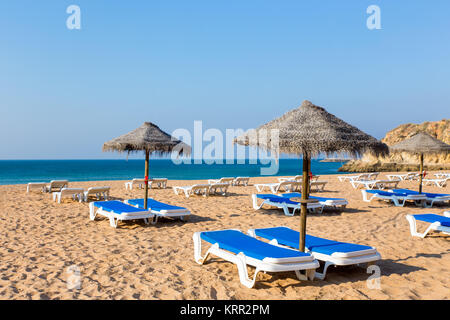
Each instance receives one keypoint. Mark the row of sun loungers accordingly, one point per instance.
(287, 202)
(54, 185)
(152, 183)
(375, 184)
(133, 209)
(289, 186)
(280, 254)
(277, 251)
(362, 176)
(82, 194)
(238, 181)
(400, 196)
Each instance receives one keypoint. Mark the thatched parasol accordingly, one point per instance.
(309, 131)
(148, 138)
(421, 143)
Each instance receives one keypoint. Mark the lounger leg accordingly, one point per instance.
(322, 275)
(198, 249)
(255, 202)
(154, 219)
(113, 222)
(413, 227)
(309, 274)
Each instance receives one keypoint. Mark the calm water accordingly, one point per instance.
(24, 171)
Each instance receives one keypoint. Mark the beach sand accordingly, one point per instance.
(41, 239)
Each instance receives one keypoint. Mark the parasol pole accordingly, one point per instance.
(421, 173)
(147, 156)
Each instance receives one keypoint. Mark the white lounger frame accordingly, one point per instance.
(74, 193)
(436, 226)
(228, 180)
(307, 264)
(440, 183)
(368, 256)
(398, 201)
(290, 186)
(241, 181)
(56, 184)
(98, 192)
(312, 207)
(199, 189)
(375, 184)
(115, 217)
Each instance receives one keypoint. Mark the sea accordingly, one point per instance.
(24, 171)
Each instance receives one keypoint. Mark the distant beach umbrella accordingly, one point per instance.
(421, 143)
(150, 139)
(309, 131)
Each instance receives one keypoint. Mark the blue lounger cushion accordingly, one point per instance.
(236, 242)
(299, 195)
(427, 194)
(155, 205)
(288, 237)
(115, 206)
(431, 218)
(275, 198)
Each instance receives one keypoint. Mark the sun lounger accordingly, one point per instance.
(440, 183)
(228, 180)
(241, 181)
(431, 198)
(161, 209)
(56, 185)
(437, 223)
(326, 202)
(283, 203)
(399, 199)
(158, 183)
(36, 185)
(218, 188)
(74, 193)
(317, 185)
(442, 175)
(362, 176)
(375, 184)
(287, 186)
(97, 192)
(198, 189)
(329, 251)
(135, 182)
(152, 182)
(298, 178)
(116, 210)
(295, 178)
(243, 250)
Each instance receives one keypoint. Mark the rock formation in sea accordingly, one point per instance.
(405, 161)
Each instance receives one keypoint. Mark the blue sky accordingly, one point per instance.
(232, 64)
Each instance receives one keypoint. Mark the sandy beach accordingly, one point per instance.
(40, 239)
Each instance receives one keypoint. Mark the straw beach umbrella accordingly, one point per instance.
(148, 138)
(421, 143)
(309, 131)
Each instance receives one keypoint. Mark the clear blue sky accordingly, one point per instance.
(232, 64)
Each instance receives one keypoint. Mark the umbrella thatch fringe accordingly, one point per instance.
(421, 142)
(147, 137)
(311, 130)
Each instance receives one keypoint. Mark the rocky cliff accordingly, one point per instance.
(405, 161)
